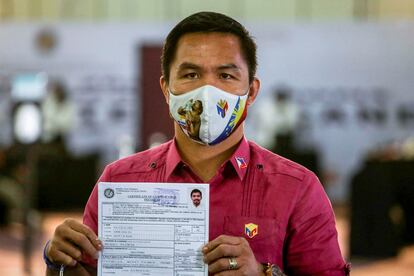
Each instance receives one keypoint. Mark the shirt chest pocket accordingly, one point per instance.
(264, 235)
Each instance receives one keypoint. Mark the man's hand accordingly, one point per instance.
(218, 252)
(70, 240)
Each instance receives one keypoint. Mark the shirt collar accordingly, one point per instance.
(240, 158)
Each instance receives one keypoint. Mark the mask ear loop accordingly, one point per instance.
(248, 95)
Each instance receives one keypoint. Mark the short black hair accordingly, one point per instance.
(209, 22)
(196, 191)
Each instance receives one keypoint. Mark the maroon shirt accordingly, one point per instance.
(294, 220)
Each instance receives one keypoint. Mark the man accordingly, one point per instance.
(196, 197)
(277, 121)
(58, 115)
(266, 213)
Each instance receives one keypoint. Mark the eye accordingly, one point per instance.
(191, 75)
(226, 76)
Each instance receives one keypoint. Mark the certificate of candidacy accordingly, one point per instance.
(152, 229)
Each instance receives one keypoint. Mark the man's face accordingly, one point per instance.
(208, 59)
(196, 198)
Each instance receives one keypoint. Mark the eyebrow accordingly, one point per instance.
(229, 66)
(189, 65)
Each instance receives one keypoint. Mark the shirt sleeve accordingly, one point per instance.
(312, 241)
(90, 214)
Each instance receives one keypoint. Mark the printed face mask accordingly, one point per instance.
(208, 114)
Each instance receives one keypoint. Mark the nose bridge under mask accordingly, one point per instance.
(204, 90)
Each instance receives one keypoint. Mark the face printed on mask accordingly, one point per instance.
(208, 115)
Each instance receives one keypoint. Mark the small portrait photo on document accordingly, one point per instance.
(196, 196)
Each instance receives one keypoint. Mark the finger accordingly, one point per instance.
(220, 240)
(88, 232)
(220, 265)
(81, 241)
(62, 258)
(57, 247)
(221, 251)
(66, 232)
(228, 273)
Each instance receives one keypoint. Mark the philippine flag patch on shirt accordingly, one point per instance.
(241, 163)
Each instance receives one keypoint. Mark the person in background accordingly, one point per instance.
(12, 173)
(58, 116)
(277, 120)
(268, 215)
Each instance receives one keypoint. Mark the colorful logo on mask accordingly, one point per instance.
(251, 230)
(237, 116)
(222, 107)
(241, 163)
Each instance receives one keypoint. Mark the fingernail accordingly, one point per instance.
(99, 245)
(205, 249)
(73, 263)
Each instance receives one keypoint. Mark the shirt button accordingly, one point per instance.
(153, 165)
(259, 166)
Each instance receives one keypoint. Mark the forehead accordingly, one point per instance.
(205, 48)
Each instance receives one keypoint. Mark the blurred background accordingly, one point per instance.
(79, 89)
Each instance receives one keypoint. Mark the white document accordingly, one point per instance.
(152, 229)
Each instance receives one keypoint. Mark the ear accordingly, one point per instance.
(253, 91)
(164, 88)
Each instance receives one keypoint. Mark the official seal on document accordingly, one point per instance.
(109, 193)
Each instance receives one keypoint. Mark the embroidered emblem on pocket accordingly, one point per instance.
(251, 230)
